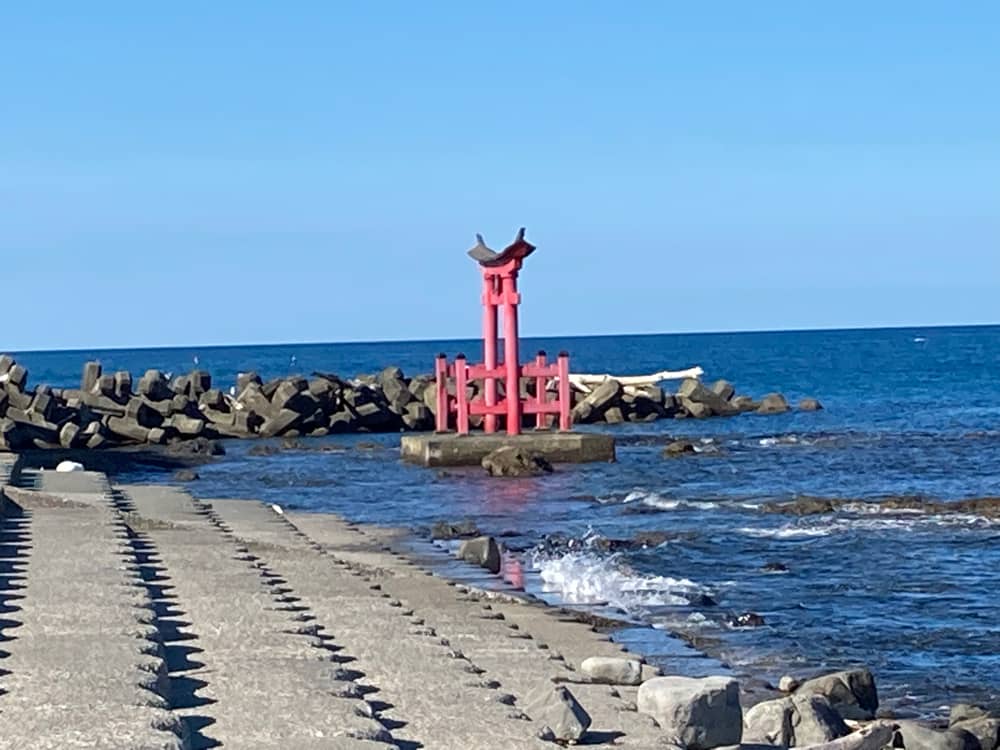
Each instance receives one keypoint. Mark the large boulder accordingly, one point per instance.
(482, 551)
(694, 391)
(612, 670)
(852, 693)
(799, 721)
(511, 461)
(913, 736)
(977, 722)
(555, 708)
(696, 713)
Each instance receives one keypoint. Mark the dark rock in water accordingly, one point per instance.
(852, 693)
(775, 567)
(510, 461)
(292, 444)
(263, 449)
(747, 620)
(367, 445)
(482, 551)
(199, 446)
(678, 448)
(185, 475)
(803, 506)
(652, 538)
(460, 530)
(773, 403)
(810, 404)
(702, 600)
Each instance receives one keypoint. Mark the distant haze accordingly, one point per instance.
(315, 172)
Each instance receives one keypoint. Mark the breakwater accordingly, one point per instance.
(114, 409)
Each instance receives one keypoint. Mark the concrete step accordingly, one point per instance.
(516, 643)
(80, 666)
(244, 674)
(438, 696)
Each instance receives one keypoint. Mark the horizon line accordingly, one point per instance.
(818, 329)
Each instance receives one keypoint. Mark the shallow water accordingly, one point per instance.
(912, 595)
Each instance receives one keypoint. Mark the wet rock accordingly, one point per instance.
(773, 403)
(852, 693)
(810, 404)
(677, 448)
(510, 461)
(775, 567)
(913, 736)
(799, 721)
(595, 403)
(556, 708)
(263, 449)
(482, 551)
(611, 670)
(747, 620)
(185, 475)
(460, 530)
(197, 447)
(803, 506)
(788, 684)
(698, 713)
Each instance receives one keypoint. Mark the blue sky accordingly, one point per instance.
(256, 172)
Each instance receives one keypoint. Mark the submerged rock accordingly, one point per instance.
(698, 713)
(678, 448)
(460, 530)
(810, 404)
(510, 461)
(747, 620)
(185, 475)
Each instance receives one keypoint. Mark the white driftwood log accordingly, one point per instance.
(586, 382)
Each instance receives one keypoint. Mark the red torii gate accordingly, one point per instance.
(500, 291)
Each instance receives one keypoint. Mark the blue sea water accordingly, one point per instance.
(915, 596)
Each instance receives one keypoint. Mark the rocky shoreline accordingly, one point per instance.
(112, 409)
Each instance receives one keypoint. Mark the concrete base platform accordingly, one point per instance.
(450, 449)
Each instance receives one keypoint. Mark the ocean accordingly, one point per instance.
(913, 593)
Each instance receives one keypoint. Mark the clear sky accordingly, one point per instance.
(237, 172)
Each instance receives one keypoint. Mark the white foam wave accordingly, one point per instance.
(785, 532)
(658, 501)
(585, 578)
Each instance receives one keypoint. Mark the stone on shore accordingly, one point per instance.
(852, 693)
(460, 530)
(511, 461)
(612, 670)
(786, 684)
(557, 709)
(696, 713)
(914, 736)
(977, 722)
(798, 721)
(482, 551)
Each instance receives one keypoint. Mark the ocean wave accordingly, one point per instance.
(659, 502)
(785, 532)
(587, 578)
